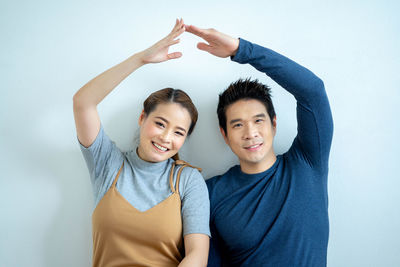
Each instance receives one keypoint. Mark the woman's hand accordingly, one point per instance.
(87, 119)
(159, 51)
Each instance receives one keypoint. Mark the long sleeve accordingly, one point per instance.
(314, 119)
(278, 217)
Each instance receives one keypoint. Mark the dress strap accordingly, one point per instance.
(171, 177)
(116, 177)
(178, 176)
(182, 162)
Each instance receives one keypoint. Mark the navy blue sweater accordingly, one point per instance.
(278, 217)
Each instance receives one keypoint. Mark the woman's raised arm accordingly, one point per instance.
(85, 101)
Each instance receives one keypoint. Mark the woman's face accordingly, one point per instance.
(163, 132)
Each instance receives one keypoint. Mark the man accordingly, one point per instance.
(272, 210)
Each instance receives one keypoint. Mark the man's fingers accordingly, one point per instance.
(174, 55)
(195, 30)
(204, 47)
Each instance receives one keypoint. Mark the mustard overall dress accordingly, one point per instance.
(125, 236)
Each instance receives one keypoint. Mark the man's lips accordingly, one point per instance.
(253, 146)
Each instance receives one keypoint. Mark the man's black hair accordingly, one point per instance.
(244, 90)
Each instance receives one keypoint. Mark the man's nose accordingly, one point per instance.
(250, 131)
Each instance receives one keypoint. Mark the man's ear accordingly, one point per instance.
(141, 118)
(224, 135)
(274, 125)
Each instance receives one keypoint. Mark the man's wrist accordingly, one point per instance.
(243, 52)
(237, 47)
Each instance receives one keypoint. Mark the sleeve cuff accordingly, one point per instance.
(96, 141)
(204, 232)
(243, 53)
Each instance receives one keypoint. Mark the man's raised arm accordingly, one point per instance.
(315, 125)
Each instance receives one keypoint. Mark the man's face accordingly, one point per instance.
(250, 134)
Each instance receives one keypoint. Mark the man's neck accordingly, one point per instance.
(258, 167)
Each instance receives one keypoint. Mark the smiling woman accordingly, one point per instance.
(152, 209)
(168, 117)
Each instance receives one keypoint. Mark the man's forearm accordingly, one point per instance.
(293, 77)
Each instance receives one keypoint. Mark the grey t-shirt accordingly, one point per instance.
(144, 184)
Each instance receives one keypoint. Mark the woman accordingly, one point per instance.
(145, 201)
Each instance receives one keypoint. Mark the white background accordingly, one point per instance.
(49, 49)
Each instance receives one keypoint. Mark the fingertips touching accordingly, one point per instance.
(189, 28)
(179, 23)
(177, 32)
(181, 30)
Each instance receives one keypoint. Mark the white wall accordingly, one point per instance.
(49, 49)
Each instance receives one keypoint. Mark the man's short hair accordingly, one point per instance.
(244, 90)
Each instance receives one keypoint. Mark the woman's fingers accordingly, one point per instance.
(173, 42)
(174, 55)
(178, 29)
(179, 32)
(178, 26)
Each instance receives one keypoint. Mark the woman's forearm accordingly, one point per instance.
(92, 93)
(196, 248)
(194, 259)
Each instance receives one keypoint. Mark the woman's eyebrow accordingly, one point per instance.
(166, 121)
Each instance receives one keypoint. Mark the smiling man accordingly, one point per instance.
(271, 210)
(251, 131)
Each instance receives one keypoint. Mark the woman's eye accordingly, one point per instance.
(179, 133)
(159, 124)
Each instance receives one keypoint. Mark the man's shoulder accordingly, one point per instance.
(218, 183)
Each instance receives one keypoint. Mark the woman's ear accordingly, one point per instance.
(142, 117)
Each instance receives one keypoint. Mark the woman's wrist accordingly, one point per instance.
(139, 59)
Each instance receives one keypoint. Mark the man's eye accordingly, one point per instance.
(259, 120)
(179, 133)
(237, 125)
(159, 124)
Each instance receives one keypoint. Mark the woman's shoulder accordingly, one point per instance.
(189, 171)
(190, 178)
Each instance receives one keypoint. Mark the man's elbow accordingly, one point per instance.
(316, 88)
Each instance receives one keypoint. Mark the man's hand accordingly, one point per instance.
(219, 44)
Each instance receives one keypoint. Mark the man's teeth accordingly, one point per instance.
(254, 146)
(160, 147)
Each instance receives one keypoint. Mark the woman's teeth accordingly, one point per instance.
(160, 147)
